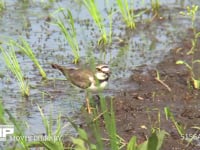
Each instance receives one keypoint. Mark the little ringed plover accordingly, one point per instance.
(86, 79)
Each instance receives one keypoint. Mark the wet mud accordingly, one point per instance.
(140, 108)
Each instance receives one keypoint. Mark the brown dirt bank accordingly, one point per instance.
(137, 111)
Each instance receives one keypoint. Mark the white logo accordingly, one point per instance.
(6, 130)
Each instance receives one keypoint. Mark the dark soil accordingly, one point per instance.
(137, 110)
(140, 108)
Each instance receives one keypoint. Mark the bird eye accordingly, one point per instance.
(103, 68)
(98, 69)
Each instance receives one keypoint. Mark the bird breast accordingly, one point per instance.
(101, 76)
(96, 86)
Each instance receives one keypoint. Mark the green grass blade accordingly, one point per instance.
(70, 34)
(132, 144)
(97, 133)
(109, 123)
(94, 12)
(127, 14)
(155, 140)
(2, 113)
(26, 49)
(19, 131)
(170, 115)
(13, 65)
(51, 144)
(45, 122)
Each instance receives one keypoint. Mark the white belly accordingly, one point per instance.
(101, 86)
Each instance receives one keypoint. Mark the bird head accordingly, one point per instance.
(102, 72)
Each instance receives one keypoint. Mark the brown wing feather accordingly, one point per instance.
(80, 78)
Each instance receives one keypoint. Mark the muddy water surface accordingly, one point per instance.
(147, 45)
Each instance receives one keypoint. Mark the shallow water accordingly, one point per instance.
(147, 45)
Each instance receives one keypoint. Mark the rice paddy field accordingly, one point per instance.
(152, 49)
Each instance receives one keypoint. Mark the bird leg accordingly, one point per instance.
(88, 105)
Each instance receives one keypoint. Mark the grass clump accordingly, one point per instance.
(94, 12)
(12, 63)
(17, 140)
(128, 15)
(26, 49)
(109, 118)
(51, 141)
(154, 142)
(2, 5)
(169, 115)
(192, 12)
(20, 141)
(69, 33)
(111, 140)
(191, 69)
(155, 5)
(54, 139)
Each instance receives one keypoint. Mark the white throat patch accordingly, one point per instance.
(101, 75)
